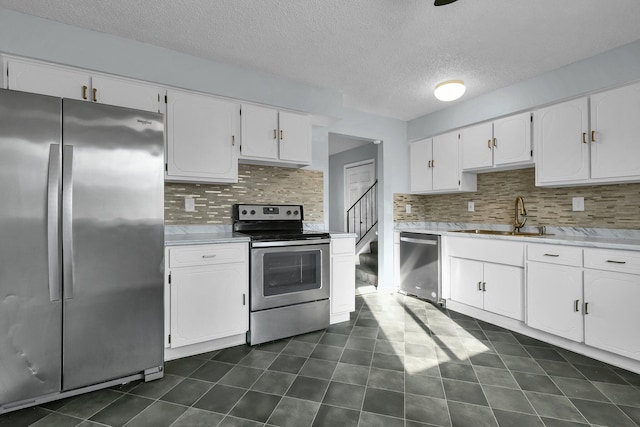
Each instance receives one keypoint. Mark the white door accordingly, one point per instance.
(562, 143)
(202, 137)
(477, 143)
(48, 80)
(125, 93)
(446, 162)
(612, 317)
(295, 138)
(420, 172)
(503, 290)
(259, 132)
(358, 178)
(512, 143)
(208, 303)
(554, 299)
(615, 148)
(466, 281)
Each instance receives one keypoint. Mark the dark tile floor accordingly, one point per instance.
(398, 362)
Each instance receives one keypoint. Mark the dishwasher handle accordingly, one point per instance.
(419, 241)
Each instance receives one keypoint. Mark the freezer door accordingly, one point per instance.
(30, 305)
(113, 237)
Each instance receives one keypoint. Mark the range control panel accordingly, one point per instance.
(268, 212)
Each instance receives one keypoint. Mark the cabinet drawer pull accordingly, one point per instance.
(576, 305)
(584, 137)
(552, 255)
(209, 256)
(613, 261)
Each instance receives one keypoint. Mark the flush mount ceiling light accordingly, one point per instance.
(449, 90)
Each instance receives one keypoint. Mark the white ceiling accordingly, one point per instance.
(385, 56)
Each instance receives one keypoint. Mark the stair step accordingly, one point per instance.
(367, 274)
(370, 260)
(373, 246)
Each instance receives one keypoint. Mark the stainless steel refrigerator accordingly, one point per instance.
(81, 247)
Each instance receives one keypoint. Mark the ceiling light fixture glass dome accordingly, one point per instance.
(449, 90)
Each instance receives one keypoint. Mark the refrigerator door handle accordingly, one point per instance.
(53, 212)
(67, 219)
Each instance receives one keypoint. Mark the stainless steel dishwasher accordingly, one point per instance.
(420, 265)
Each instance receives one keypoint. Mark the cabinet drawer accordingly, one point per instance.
(555, 254)
(342, 246)
(612, 260)
(186, 256)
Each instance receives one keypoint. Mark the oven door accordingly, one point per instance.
(285, 273)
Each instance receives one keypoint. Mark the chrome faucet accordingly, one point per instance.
(519, 210)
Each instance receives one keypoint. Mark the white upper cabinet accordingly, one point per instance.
(435, 166)
(561, 140)
(202, 138)
(275, 137)
(69, 83)
(497, 145)
(615, 136)
(569, 152)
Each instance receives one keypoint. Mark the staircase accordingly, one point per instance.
(367, 270)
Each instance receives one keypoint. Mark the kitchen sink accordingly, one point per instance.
(500, 233)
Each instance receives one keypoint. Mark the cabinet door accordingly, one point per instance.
(48, 80)
(466, 281)
(208, 303)
(477, 146)
(615, 148)
(259, 132)
(295, 138)
(421, 178)
(446, 162)
(612, 318)
(512, 143)
(343, 284)
(201, 138)
(561, 141)
(125, 93)
(553, 293)
(503, 290)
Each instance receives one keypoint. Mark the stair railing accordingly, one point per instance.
(362, 216)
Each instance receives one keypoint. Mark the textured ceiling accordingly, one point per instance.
(385, 56)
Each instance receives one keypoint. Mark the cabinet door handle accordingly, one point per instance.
(593, 136)
(552, 255)
(244, 299)
(95, 95)
(281, 134)
(84, 92)
(586, 308)
(484, 286)
(576, 305)
(495, 142)
(275, 134)
(489, 144)
(613, 261)
(429, 164)
(233, 140)
(433, 163)
(209, 256)
(584, 137)
(479, 286)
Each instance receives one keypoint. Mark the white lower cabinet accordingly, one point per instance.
(208, 293)
(491, 287)
(343, 278)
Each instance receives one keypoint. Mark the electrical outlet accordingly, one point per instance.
(189, 204)
(471, 207)
(577, 204)
(407, 208)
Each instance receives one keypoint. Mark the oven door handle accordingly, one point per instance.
(305, 242)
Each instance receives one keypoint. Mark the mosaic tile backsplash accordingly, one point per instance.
(256, 184)
(606, 206)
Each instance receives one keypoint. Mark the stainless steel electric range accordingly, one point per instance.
(289, 272)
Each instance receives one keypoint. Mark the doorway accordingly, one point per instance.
(358, 178)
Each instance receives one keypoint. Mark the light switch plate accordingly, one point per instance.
(577, 204)
(471, 207)
(189, 204)
(407, 208)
